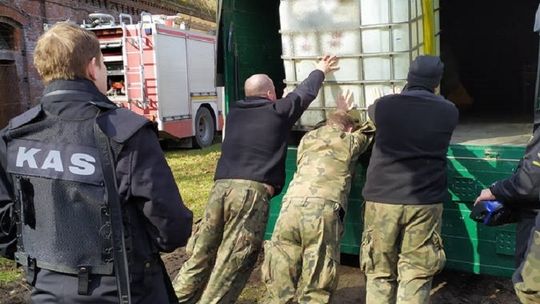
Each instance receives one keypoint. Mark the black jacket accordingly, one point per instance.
(157, 217)
(256, 133)
(522, 189)
(408, 161)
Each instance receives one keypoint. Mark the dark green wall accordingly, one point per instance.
(251, 44)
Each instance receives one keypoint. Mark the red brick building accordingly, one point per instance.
(22, 22)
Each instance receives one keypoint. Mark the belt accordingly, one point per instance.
(260, 186)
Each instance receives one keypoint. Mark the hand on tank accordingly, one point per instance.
(285, 92)
(327, 64)
(344, 101)
(485, 195)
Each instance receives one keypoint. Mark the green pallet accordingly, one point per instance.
(469, 246)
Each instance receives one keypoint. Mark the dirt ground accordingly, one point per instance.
(448, 287)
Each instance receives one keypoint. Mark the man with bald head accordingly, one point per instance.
(260, 85)
(250, 171)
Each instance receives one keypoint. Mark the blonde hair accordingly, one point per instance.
(64, 51)
(341, 119)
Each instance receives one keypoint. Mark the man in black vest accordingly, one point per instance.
(87, 234)
(405, 187)
(520, 191)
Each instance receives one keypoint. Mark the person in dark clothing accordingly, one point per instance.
(520, 192)
(524, 209)
(250, 171)
(405, 187)
(53, 178)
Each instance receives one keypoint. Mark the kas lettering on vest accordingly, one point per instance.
(57, 161)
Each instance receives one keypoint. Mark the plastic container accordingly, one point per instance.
(375, 40)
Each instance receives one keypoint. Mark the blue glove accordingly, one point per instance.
(493, 213)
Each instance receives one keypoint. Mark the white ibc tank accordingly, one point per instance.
(375, 40)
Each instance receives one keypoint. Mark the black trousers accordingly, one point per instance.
(53, 287)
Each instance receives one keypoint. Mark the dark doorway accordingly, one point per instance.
(490, 53)
(7, 41)
(10, 102)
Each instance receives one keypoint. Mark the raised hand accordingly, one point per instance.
(344, 101)
(328, 64)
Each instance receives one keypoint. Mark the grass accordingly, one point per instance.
(8, 272)
(252, 293)
(193, 171)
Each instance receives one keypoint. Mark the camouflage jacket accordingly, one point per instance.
(326, 160)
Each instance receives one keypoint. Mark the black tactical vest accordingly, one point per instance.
(62, 216)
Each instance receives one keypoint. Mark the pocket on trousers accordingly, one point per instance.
(366, 253)
(439, 254)
(246, 249)
(328, 277)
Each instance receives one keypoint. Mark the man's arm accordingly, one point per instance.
(297, 101)
(362, 137)
(147, 179)
(5, 183)
(371, 111)
(7, 223)
(523, 187)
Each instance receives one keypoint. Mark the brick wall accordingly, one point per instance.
(27, 19)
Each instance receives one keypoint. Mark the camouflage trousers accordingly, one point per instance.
(301, 258)
(401, 252)
(527, 277)
(226, 246)
(524, 227)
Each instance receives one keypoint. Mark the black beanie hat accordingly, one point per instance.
(425, 71)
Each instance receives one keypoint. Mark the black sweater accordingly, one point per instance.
(256, 132)
(521, 189)
(408, 162)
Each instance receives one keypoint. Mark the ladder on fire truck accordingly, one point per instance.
(134, 84)
(141, 98)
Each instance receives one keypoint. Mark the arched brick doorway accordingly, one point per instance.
(10, 97)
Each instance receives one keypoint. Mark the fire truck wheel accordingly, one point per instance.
(204, 128)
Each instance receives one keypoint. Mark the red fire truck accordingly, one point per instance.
(163, 72)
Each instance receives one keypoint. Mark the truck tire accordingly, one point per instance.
(205, 128)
